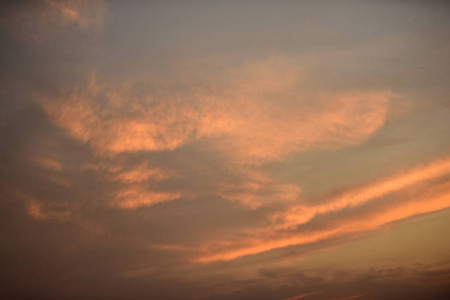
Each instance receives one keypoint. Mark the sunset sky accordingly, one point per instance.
(261, 150)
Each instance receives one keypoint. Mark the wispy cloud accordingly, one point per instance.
(45, 20)
(287, 227)
(245, 122)
(43, 211)
(358, 195)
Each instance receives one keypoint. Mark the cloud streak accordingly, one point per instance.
(286, 229)
(368, 192)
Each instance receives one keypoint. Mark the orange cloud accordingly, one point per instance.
(135, 196)
(300, 214)
(274, 133)
(431, 197)
(256, 189)
(49, 163)
(261, 244)
(44, 211)
(255, 117)
(243, 123)
(433, 201)
(248, 127)
(133, 182)
(141, 173)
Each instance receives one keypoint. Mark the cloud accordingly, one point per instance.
(254, 189)
(135, 196)
(142, 173)
(428, 196)
(360, 194)
(256, 116)
(49, 163)
(251, 120)
(44, 20)
(44, 211)
(197, 161)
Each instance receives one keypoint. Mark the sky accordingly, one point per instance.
(273, 150)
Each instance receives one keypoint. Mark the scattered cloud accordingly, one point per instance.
(223, 151)
(246, 122)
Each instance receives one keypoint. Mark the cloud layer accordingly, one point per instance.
(223, 150)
